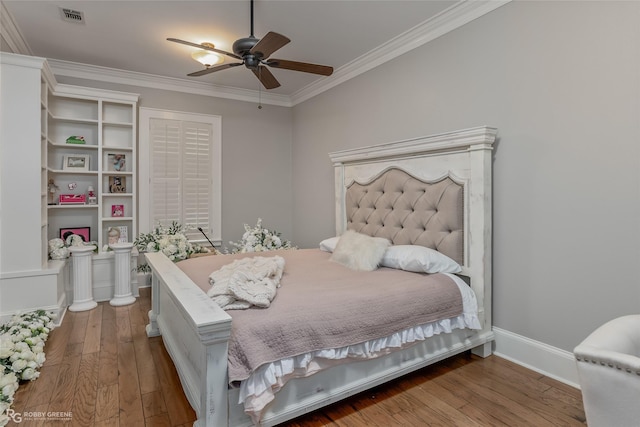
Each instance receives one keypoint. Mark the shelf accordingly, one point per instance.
(67, 172)
(72, 146)
(124, 173)
(119, 124)
(73, 119)
(72, 206)
(117, 194)
(117, 218)
(108, 148)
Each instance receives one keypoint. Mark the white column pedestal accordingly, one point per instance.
(81, 277)
(122, 294)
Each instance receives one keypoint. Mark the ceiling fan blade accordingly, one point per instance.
(305, 67)
(269, 44)
(213, 69)
(201, 46)
(265, 76)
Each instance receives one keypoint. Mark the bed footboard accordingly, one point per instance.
(195, 332)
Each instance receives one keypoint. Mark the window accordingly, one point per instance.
(180, 171)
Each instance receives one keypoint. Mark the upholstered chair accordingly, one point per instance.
(609, 373)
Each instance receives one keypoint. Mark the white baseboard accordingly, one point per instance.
(537, 356)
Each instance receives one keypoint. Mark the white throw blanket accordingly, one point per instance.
(246, 282)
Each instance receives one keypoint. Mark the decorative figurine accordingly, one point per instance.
(91, 199)
(114, 235)
(52, 188)
(76, 140)
(118, 162)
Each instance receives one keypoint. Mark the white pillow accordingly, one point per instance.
(329, 245)
(359, 251)
(418, 259)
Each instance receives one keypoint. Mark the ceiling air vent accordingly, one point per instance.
(71, 15)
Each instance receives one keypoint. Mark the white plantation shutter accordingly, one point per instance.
(184, 172)
(196, 175)
(166, 171)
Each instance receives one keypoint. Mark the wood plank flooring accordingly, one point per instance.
(102, 370)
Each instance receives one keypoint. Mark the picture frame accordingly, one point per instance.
(83, 232)
(118, 234)
(117, 210)
(117, 184)
(116, 162)
(76, 162)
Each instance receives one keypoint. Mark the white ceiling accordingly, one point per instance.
(131, 35)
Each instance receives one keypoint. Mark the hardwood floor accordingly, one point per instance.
(102, 370)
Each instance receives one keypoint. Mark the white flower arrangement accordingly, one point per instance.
(21, 353)
(258, 239)
(171, 241)
(59, 249)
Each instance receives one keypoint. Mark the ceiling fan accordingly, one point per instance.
(254, 54)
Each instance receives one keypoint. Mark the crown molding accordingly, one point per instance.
(448, 20)
(11, 34)
(132, 78)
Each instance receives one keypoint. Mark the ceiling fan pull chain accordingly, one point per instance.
(259, 87)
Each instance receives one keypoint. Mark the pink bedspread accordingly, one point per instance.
(322, 304)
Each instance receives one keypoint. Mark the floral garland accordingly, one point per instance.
(171, 241)
(21, 353)
(260, 239)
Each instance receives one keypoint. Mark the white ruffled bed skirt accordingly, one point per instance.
(259, 389)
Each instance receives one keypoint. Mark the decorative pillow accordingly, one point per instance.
(418, 259)
(329, 245)
(359, 251)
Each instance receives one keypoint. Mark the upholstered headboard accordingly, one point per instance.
(409, 211)
(378, 192)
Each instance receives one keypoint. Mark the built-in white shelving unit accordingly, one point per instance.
(38, 115)
(107, 121)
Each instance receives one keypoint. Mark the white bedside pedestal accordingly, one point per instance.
(122, 294)
(81, 278)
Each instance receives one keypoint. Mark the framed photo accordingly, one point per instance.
(124, 234)
(76, 162)
(84, 232)
(117, 234)
(116, 162)
(117, 210)
(117, 184)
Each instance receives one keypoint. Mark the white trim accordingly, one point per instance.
(112, 75)
(539, 357)
(454, 17)
(481, 137)
(10, 32)
(92, 93)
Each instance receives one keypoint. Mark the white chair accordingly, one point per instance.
(609, 373)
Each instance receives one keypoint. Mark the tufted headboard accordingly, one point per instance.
(409, 211)
(433, 191)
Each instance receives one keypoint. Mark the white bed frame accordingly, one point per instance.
(196, 331)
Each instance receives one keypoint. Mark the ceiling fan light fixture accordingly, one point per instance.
(254, 54)
(207, 57)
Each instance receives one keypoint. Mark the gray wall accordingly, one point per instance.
(561, 82)
(256, 155)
